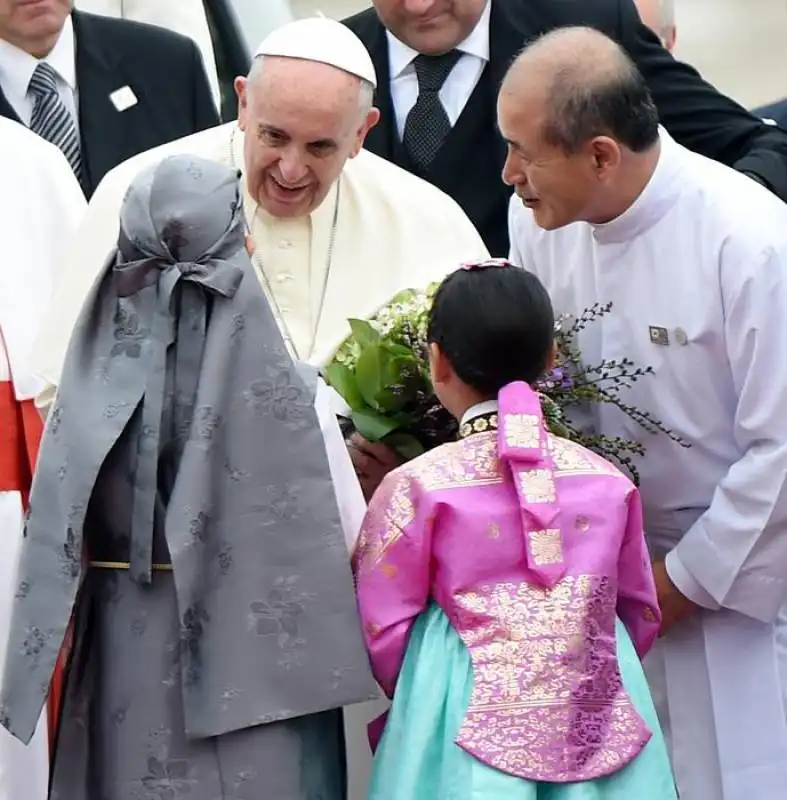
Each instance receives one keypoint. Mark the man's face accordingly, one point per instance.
(302, 121)
(558, 188)
(431, 27)
(29, 23)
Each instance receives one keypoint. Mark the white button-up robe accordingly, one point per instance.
(696, 271)
(41, 205)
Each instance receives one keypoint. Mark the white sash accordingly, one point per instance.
(23, 770)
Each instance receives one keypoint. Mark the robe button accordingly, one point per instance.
(285, 244)
(283, 277)
(680, 336)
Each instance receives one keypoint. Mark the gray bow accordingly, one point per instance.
(166, 252)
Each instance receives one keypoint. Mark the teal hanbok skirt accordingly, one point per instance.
(417, 758)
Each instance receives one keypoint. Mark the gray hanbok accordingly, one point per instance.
(183, 515)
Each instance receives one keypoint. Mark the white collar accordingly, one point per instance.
(17, 66)
(485, 407)
(654, 201)
(401, 56)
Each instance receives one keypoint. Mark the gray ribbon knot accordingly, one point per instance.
(169, 284)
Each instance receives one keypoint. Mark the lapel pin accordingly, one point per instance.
(659, 336)
(123, 98)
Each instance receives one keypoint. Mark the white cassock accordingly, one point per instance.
(41, 205)
(181, 16)
(393, 231)
(696, 270)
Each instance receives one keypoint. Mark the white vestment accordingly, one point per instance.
(41, 205)
(696, 271)
(393, 231)
(186, 17)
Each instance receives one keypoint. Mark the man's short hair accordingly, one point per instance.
(590, 97)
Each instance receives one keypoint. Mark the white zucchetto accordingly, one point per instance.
(323, 40)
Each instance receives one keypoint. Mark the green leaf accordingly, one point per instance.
(374, 374)
(399, 350)
(342, 379)
(364, 333)
(372, 425)
(405, 444)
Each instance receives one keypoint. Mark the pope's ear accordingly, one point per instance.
(370, 120)
(240, 84)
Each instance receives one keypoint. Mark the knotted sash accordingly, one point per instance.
(177, 320)
(188, 328)
(523, 447)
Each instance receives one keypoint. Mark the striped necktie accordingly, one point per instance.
(51, 119)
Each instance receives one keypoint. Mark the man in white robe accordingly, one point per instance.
(337, 230)
(693, 257)
(41, 205)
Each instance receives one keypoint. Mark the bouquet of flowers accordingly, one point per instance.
(382, 372)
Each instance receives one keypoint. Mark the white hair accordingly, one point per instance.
(365, 94)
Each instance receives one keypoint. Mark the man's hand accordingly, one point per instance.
(674, 606)
(372, 462)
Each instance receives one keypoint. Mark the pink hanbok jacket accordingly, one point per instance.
(531, 545)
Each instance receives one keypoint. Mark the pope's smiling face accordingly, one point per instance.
(302, 120)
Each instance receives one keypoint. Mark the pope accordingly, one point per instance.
(337, 230)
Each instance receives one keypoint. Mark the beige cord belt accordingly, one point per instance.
(127, 565)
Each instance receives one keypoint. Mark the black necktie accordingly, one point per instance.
(427, 123)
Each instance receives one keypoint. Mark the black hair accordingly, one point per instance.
(617, 104)
(494, 324)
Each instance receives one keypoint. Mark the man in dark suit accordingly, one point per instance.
(440, 64)
(101, 89)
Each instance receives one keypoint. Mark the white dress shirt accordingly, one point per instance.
(17, 68)
(459, 84)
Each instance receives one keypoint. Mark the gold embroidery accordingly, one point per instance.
(522, 430)
(493, 531)
(546, 682)
(389, 570)
(480, 424)
(475, 462)
(381, 532)
(468, 462)
(571, 458)
(648, 615)
(537, 486)
(546, 546)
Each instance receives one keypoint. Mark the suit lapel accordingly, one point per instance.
(382, 138)
(7, 110)
(103, 129)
